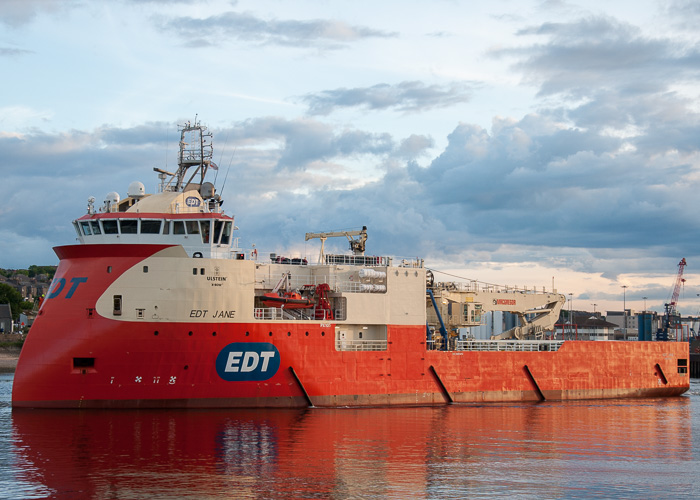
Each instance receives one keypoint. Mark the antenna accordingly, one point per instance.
(216, 176)
(167, 145)
(227, 171)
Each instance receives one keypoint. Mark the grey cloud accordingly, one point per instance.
(168, 2)
(407, 96)
(249, 28)
(599, 52)
(306, 141)
(12, 52)
(415, 146)
(570, 185)
(527, 190)
(685, 13)
(16, 13)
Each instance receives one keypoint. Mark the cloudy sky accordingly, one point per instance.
(508, 141)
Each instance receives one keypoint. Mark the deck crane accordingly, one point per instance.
(356, 245)
(670, 308)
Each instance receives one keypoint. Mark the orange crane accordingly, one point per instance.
(670, 314)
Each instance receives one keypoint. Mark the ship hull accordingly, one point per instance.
(76, 356)
(136, 368)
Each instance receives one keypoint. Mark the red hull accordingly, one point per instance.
(75, 358)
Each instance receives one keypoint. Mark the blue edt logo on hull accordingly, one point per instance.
(246, 361)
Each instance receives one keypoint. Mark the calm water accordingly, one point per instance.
(615, 449)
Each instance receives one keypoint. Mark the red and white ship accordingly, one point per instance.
(158, 307)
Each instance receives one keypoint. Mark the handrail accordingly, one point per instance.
(360, 345)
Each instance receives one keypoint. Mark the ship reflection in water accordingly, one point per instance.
(631, 448)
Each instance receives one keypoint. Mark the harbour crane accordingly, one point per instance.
(356, 245)
(671, 307)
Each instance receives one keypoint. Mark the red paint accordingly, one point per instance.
(157, 364)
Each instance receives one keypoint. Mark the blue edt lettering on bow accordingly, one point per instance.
(246, 361)
(192, 201)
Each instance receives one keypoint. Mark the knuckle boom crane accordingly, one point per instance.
(451, 306)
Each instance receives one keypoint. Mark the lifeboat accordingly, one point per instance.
(288, 300)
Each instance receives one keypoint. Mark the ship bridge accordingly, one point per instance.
(167, 218)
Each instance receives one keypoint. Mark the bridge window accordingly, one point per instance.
(128, 226)
(226, 235)
(178, 227)
(166, 227)
(95, 227)
(110, 227)
(85, 225)
(192, 226)
(218, 224)
(150, 226)
(205, 227)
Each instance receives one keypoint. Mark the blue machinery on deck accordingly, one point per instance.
(443, 330)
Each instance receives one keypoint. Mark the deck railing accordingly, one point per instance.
(360, 345)
(498, 345)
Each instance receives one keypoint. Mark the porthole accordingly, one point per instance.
(307, 334)
(186, 367)
(213, 334)
(289, 334)
(155, 333)
(270, 334)
(323, 334)
(190, 334)
(247, 334)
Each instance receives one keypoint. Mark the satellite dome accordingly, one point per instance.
(207, 190)
(112, 197)
(111, 202)
(136, 190)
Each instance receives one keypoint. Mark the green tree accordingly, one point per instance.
(9, 295)
(35, 270)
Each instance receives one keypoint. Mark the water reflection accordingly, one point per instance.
(454, 451)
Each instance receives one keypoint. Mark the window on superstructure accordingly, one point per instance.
(117, 305)
(95, 227)
(205, 227)
(166, 227)
(178, 227)
(150, 226)
(129, 226)
(77, 229)
(110, 227)
(192, 226)
(226, 235)
(218, 225)
(85, 226)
